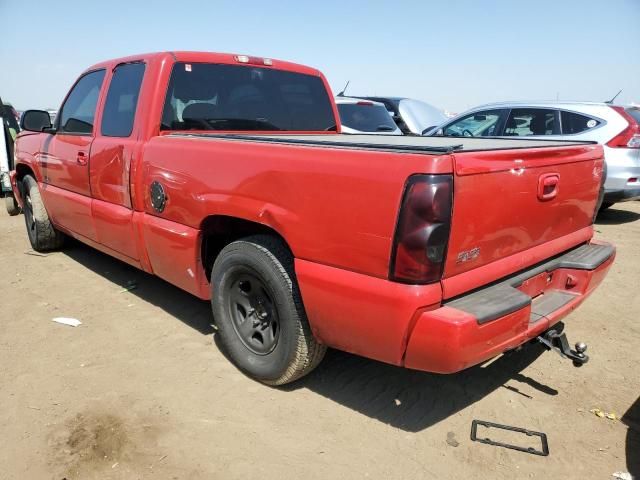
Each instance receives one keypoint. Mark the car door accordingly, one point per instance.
(64, 159)
(483, 123)
(115, 145)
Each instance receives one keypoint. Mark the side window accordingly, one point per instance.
(523, 122)
(122, 100)
(575, 123)
(79, 110)
(479, 124)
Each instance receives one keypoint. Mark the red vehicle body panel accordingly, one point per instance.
(337, 210)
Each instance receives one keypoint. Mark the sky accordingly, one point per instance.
(452, 54)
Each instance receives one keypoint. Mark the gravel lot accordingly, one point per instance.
(140, 390)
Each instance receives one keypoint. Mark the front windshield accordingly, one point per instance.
(366, 117)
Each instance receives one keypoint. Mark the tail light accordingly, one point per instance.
(422, 232)
(630, 136)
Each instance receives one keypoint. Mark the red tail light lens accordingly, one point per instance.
(630, 136)
(422, 233)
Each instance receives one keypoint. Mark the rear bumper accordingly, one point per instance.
(478, 326)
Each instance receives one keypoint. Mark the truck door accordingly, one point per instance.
(115, 146)
(65, 155)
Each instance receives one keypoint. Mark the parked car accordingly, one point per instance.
(413, 117)
(616, 127)
(365, 116)
(9, 129)
(227, 175)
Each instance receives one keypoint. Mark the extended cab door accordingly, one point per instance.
(116, 146)
(64, 159)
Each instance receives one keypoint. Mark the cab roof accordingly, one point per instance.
(205, 57)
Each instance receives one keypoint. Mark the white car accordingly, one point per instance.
(365, 117)
(616, 127)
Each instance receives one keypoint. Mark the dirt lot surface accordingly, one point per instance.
(140, 390)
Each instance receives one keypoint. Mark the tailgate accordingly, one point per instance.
(509, 201)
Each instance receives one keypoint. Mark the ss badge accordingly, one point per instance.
(468, 255)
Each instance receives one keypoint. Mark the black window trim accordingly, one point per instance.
(59, 114)
(106, 95)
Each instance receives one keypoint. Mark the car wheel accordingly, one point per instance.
(11, 205)
(42, 234)
(606, 205)
(262, 325)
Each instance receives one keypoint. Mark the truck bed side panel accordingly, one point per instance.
(333, 206)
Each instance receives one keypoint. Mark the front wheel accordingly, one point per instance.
(259, 313)
(43, 236)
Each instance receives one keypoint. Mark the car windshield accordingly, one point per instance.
(366, 117)
(204, 96)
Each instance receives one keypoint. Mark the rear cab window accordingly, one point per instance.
(366, 117)
(122, 100)
(203, 96)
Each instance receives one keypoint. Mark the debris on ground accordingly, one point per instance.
(451, 439)
(131, 285)
(397, 402)
(602, 414)
(36, 254)
(72, 322)
(622, 476)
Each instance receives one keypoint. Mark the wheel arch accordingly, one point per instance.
(219, 231)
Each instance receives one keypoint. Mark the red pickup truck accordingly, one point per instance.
(227, 176)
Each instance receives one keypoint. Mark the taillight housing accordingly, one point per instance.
(422, 233)
(630, 136)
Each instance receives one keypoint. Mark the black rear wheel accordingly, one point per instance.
(262, 325)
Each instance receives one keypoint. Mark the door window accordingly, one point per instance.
(122, 100)
(479, 124)
(79, 110)
(523, 122)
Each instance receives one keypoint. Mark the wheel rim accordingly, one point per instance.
(253, 313)
(28, 216)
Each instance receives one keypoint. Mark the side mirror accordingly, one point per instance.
(35, 120)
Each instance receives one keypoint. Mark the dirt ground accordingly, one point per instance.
(140, 389)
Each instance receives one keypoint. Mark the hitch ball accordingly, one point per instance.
(581, 347)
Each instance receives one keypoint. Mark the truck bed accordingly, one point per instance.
(410, 144)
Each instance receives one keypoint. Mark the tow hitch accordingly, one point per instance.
(558, 342)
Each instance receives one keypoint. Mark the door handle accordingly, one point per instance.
(548, 186)
(82, 158)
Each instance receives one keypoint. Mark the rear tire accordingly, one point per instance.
(606, 205)
(42, 234)
(11, 205)
(262, 325)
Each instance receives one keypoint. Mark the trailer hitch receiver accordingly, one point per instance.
(558, 342)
